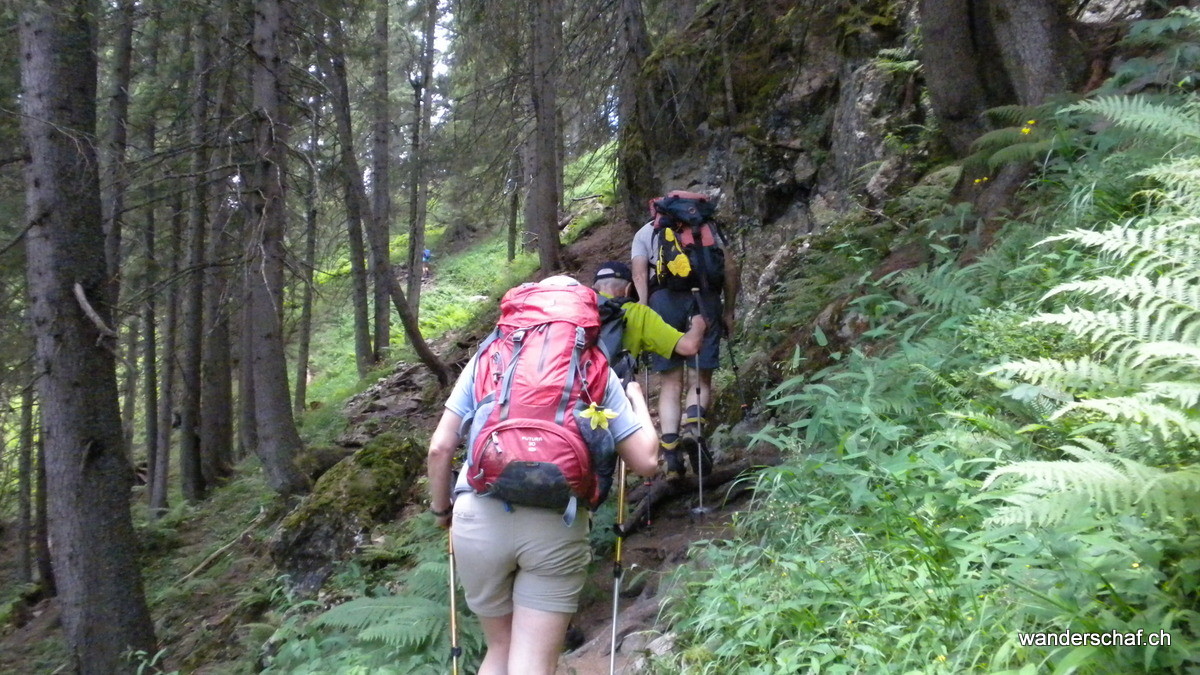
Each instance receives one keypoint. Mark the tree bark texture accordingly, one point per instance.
(418, 157)
(25, 480)
(543, 197)
(115, 173)
(104, 612)
(636, 179)
(979, 54)
(41, 511)
(381, 186)
(413, 332)
(357, 207)
(192, 329)
(278, 439)
(304, 330)
(166, 408)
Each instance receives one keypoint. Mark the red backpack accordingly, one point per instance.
(534, 375)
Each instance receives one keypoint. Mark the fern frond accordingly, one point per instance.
(999, 138)
(1164, 419)
(1019, 114)
(1182, 393)
(1172, 243)
(944, 288)
(1082, 373)
(1110, 330)
(416, 628)
(1180, 290)
(1171, 353)
(1021, 152)
(360, 613)
(1142, 116)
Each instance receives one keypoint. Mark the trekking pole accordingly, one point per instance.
(737, 378)
(700, 449)
(455, 650)
(618, 568)
(645, 364)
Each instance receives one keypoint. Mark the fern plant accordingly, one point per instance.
(1141, 314)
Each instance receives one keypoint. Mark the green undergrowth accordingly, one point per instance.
(1012, 447)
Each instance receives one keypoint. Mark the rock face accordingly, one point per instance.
(365, 488)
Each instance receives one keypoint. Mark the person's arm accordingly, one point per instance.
(693, 339)
(441, 453)
(639, 450)
(639, 256)
(641, 279)
(732, 285)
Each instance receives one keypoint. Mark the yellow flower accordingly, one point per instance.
(599, 416)
(1031, 122)
(1136, 565)
(680, 266)
(1026, 130)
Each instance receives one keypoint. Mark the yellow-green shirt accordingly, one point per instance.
(645, 330)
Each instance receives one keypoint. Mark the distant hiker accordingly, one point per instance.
(547, 419)
(681, 266)
(426, 256)
(629, 328)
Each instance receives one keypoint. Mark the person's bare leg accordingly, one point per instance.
(668, 401)
(705, 388)
(497, 631)
(536, 641)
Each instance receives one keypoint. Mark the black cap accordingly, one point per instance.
(614, 269)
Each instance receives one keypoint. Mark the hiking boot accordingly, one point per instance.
(670, 453)
(693, 421)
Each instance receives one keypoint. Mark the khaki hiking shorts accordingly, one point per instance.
(524, 556)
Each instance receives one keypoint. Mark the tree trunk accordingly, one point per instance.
(1039, 54)
(104, 612)
(216, 416)
(637, 181)
(381, 186)
(952, 72)
(150, 279)
(42, 518)
(192, 329)
(514, 206)
(25, 490)
(166, 408)
(216, 419)
(356, 201)
(247, 424)
(115, 174)
(543, 197)
(985, 53)
(413, 332)
(304, 338)
(278, 440)
(419, 188)
(129, 387)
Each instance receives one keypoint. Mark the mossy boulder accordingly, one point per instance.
(365, 488)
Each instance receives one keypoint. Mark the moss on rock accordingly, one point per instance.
(361, 490)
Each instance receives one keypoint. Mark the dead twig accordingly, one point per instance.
(105, 331)
(219, 552)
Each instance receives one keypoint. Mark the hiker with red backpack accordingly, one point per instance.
(545, 420)
(682, 267)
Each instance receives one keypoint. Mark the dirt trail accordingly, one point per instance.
(650, 556)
